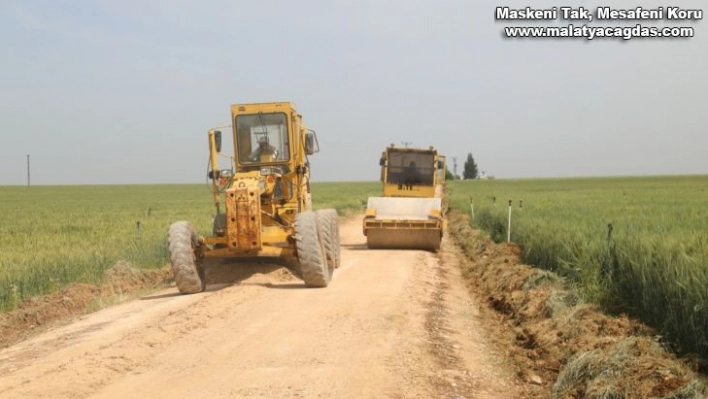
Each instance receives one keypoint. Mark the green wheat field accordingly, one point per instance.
(53, 236)
(653, 264)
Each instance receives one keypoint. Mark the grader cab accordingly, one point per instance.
(409, 215)
(262, 201)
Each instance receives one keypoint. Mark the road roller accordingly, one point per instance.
(410, 213)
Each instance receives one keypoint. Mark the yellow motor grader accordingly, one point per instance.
(262, 199)
(410, 213)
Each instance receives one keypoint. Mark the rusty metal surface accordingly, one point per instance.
(243, 215)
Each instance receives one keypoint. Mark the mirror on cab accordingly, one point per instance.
(311, 144)
(217, 140)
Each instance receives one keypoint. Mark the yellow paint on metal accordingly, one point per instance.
(264, 252)
(261, 199)
(409, 215)
(399, 190)
(213, 154)
(243, 214)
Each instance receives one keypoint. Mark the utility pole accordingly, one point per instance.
(406, 143)
(28, 170)
(454, 165)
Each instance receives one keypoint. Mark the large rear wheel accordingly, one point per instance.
(188, 273)
(310, 251)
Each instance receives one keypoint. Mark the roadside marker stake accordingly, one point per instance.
(508, 230)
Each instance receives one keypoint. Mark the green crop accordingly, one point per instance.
(635, 245)
(53, 236)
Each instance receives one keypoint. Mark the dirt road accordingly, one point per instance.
(392, 324)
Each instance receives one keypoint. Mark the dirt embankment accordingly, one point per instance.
(42, 313)
(570, 347)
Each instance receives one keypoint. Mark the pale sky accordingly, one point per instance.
(124, 91)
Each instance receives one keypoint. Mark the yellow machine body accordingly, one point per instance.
(409, 215)
(263, 191)
(262, 200)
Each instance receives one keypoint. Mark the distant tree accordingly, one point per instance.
(470, 170)
(448, 174)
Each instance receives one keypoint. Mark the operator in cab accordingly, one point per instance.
(264, 152)
(411, 175)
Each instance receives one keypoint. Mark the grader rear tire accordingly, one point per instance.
(310, 251)
(189, 276)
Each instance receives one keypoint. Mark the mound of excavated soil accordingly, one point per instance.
(247, 272)
(568, 347)
(39, 313)
(121, 281)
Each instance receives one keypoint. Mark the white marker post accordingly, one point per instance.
(508, 229)
(472, 207)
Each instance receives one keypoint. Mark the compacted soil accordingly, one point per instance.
(392, 324)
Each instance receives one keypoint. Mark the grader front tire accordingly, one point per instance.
(334, 250)
(337, 243)
(327, 236)
(189, 276)
(310, 251)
